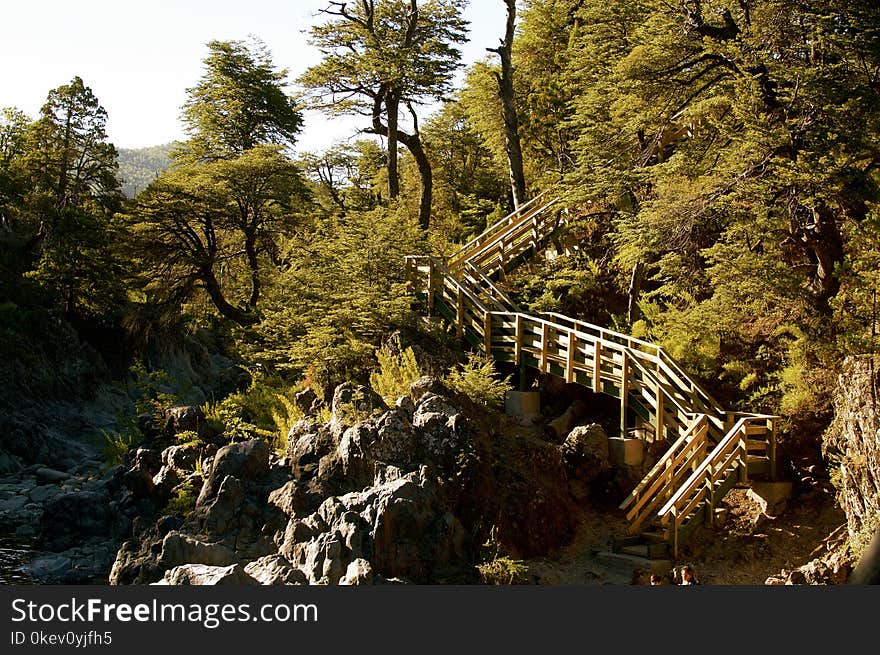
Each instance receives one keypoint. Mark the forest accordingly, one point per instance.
(718, 161)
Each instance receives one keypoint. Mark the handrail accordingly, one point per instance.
(506, 220)
(643, 371)
(498, 238)
(698, 477)
(660, 481)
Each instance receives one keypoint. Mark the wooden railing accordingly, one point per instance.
(467, 251)
(700, 492)
(508, 239)
(658, 486)
(685, 481)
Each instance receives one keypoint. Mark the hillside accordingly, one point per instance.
(140, 166)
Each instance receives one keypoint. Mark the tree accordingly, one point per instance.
(239, 102)
(508, 100)
(381, 55)
(73, 192)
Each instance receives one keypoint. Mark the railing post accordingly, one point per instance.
(658, 428)
(431, 284)
(487, 333)
(569, 364)
(597, 365)
(771, 447)
(743, 447)
(518, 346)
(624, 393)
(544, 339)
(459, 313)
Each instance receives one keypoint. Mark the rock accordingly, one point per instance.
(199, 574)
(140, 483)
(307, 443)
(183, 459)
(186, 419)
(9, 463)
(275, 570)
(168, 523)
(305, 401)
(427, 384)
(148, 461)
(586, 457)
(248, 460)
(69, 518)
(559, 427)
(292, 499)
(353, 403)
(178, 548)
(46, 475)
(359, 572)
(219, 514)
(42, 494)
(14, 504)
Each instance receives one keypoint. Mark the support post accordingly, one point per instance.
(569, 365)
(431, 284)
(544, 341)
(459, 313)
(487, 333)
(519, 339)
(624, 394)
(771, 447)
(658, 426)
(597, 366)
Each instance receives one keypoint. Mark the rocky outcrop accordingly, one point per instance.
(852, 444)
(377, 494)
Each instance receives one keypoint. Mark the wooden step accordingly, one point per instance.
(625, 563)
(648, 550)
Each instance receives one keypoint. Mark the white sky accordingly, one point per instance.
(140, 57)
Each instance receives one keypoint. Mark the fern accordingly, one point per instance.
(395, 374)
(478, 379)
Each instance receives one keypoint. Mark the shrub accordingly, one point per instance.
(182, 504)
(395, 374)
(117, 444)
(478, 379)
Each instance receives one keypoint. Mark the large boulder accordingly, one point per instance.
(586, 458)
(199, 574)
(353, 403)
(247, 461)
(178, 548)
(275, 570)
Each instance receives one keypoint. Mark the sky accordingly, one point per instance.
(140, 57)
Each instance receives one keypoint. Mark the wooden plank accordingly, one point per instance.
(518, 348)
(624, 394)
(487, 333)
(545, 335)
(459, 315)
(659, 423)
(597, 366)
(569, 367)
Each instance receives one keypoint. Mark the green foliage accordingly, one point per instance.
(498, 569)
(478, 379)
(284, 418)
(240, 102)
(117, 444)
(395, 375)
(343, 291)
(152, 391)
(182, 504)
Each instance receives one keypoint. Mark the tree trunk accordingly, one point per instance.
(392, 106)
(212, 286)
(511, 120)
(413, 143)
(635, 289)
(250, 249)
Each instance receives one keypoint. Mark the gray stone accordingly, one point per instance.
(359, 572)
(46, 475)
(42, 494)
(178, 548)
(13, 504)
(248, 461)
(200, 574)
(275, 570)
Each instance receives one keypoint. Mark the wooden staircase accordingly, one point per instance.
(709, 449)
